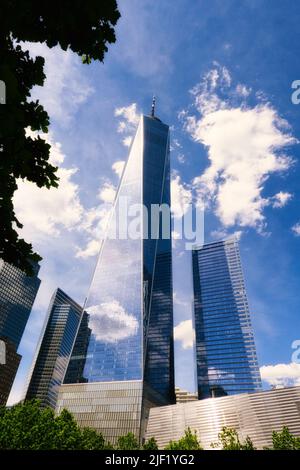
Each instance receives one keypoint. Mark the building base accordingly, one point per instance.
(112, 408)
(255, 415)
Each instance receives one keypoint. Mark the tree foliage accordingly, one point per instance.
(151, 444)
(229, 440)
(284, 440)
(128, 442)
(30, 426)
(188, 442)
(86, 28)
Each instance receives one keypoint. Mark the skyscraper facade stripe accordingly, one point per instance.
(225, 349)
(54, 349)
(129, 303)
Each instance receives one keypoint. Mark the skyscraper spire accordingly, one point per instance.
(153, 106)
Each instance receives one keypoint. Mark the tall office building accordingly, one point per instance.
(225, 349)
(54, 349)
(74, 373)
(129, 359)
(17, 294)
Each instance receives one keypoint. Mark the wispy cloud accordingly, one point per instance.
(222, 234)
(281, 199)
(143, 45)
(181, 196)
(128, 122)
(66, 86)
(94, 221)
(296, 229)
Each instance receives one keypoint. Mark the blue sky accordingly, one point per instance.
(222, 72)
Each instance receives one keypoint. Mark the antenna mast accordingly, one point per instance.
(153, 106)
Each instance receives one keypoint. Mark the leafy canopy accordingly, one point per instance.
(30, 426)
(86, 28)
(229, 440)
(284, 440)
(188, 442)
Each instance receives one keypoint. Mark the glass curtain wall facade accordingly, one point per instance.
(8, 369)
(54, 349)
(76, 364)
(17, 294)
(225, 349)
(129, 304)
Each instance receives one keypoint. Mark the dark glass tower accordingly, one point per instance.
(129, 358)
(76, 365)
(54, 349)
(17, 294)
(225, 349)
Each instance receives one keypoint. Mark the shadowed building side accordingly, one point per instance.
(17, 295)
(54, 349)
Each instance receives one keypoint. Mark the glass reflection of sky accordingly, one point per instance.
(115, 297)
(130, 300)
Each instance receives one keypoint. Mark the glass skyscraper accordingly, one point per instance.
(54, 349)
(128, 363)
(17, 294)
(225, 349)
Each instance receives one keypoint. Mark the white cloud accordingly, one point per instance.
(184, 332)
(205, 92)
(46, 211)
(94, 223)
(181, 197)
(296, 229)
(281, 199)
(110, 322)
(107, 192)
(66, 87)
(244, 145)
(52, 212)
(281, 374)
(127, 141)
(128, 123)
(92, 249)
(118, 167)
(130, 116)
